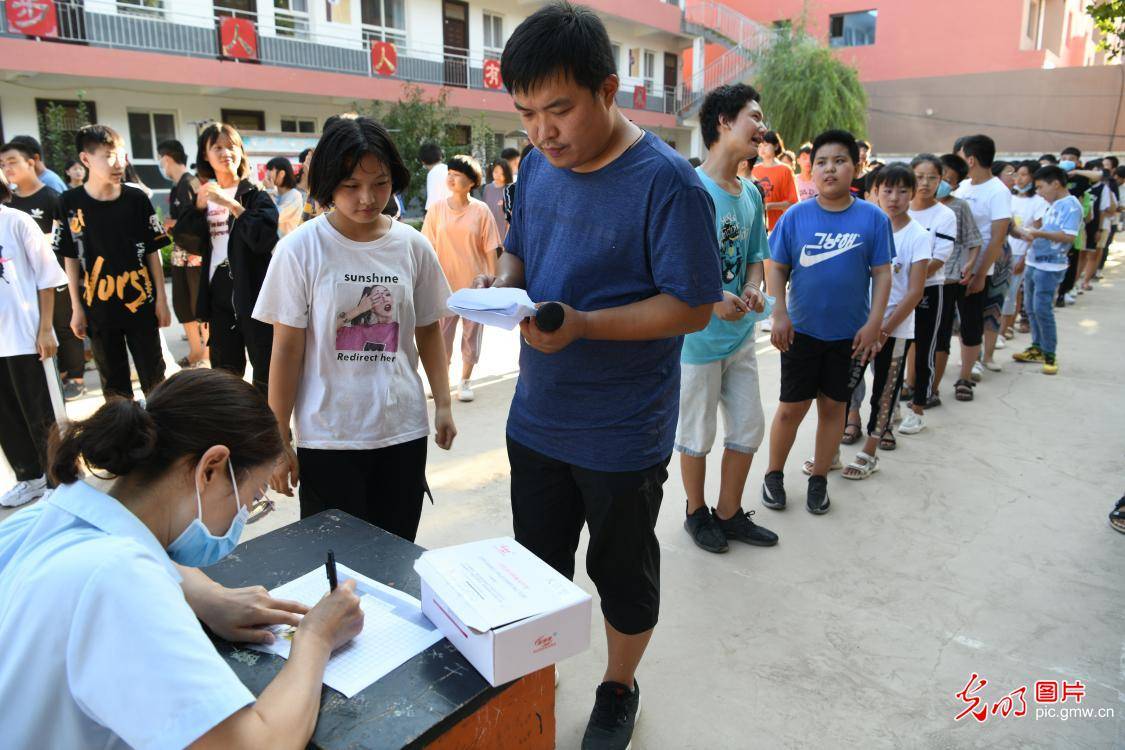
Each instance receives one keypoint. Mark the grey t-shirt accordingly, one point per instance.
(968, 236)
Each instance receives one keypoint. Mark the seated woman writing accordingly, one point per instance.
(101, 599)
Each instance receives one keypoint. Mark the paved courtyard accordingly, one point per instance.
(980, 547)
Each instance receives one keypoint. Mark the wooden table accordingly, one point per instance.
(436, 700)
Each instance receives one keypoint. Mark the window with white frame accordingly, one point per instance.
(384, 21)
(147, 130)
(616, 55)
(147, 8)
(648, 71)
(291, 18)
(493, 34)
(298, 124)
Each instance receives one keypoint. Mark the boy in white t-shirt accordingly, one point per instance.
(1028, 208)
(29, 275)
(436, 171)
(892, 188)
(991, 202)
(356, 299)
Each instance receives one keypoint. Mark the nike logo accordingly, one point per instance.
(832, 243)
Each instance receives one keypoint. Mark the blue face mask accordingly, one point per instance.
(197, 547)
(1025, 189)
(943, 190)
(1067, 165)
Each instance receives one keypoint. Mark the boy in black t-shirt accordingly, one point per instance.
(111, 241)
(42, 204)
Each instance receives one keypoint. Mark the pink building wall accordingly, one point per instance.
(925, 38)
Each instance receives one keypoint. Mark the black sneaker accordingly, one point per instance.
(773, 490)
(615, 713)
(704, 530)
(817, 497)
(740, 528)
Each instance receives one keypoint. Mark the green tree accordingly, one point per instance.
(58, 125)
(806, 89)
(414, 120)
(1109, 18)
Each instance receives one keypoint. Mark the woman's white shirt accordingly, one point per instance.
(101, 650)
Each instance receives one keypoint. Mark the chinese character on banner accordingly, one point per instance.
(1006, 704)
(492, 78)
(237, 38)
(384, 58)
(33, 17)
(1074, 690)
(640, 97)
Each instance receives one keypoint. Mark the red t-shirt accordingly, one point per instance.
(778, 183)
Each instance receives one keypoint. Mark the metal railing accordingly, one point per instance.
(745, 36)
(197, 36)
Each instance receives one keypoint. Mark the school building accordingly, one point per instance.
(157, 69)
(1029, 72)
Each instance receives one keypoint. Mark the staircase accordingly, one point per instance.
(718, 24)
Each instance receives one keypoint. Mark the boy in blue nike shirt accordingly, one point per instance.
(831, 251)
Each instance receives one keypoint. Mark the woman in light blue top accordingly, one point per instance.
(101, 599)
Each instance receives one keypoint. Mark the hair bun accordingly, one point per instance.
(115, 439)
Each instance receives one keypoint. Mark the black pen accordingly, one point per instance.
(330, 568)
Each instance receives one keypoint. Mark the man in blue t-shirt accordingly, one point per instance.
(718, 365)
(616, 226)
(833, 251)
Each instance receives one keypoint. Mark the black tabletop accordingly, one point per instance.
(411, 706)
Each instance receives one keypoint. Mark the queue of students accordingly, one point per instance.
(339, 312)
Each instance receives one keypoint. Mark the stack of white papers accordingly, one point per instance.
(501, 307)
(394, 629)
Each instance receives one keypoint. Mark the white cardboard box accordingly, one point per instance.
(506, 610)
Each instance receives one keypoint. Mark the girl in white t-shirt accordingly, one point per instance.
(29, 275)
(356, 299)
(893, 188)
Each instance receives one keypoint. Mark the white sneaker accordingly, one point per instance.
(1070, 298)
(993, 366)
(465, 393)
(912, 425)
(977, 372)
(1001, 343)
(24, 492)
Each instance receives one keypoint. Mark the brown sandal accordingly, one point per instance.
(852, 433)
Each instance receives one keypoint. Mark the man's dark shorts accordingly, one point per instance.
(551, 500)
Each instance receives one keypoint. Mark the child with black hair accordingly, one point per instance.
(288, 199)
(775, 178)
(892, 188)
(958, 273)
(501, 174)
(941, 222)
(806, 186)
(1047, 263)
(42, 203)
(834, 252)
(355, 299)
(111, 243)
(991, 203)
(464, 234)
(29, 275)
(75, 173)
(1028, 208)
(187, 261)
(433, 160)
(234, 223)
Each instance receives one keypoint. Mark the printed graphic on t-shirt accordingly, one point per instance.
(731, 236)
(3, 260)
(367, 318)
(133, 288)
(832, 244)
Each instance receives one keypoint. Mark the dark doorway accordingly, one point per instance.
(244, 119)
(671, 79)
(455, 34)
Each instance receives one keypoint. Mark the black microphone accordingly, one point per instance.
(549, 317)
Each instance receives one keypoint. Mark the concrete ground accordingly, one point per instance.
(980, 547)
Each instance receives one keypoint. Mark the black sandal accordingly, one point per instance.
(1117, 516)
(963, 390)
(888, 442)
(906, 393)
(852, 433)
